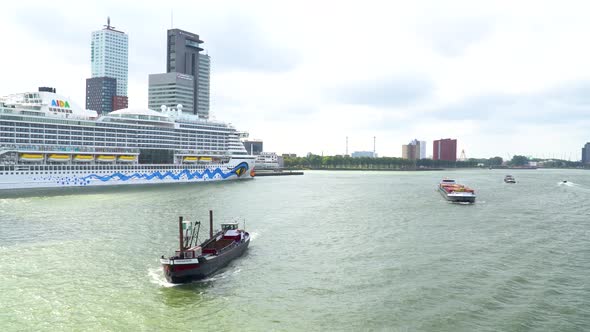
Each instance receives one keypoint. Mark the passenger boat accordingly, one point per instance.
(509, 179)
(195, 261)
(31, 157)
(83, 158)
(455, 192)
(62, 158)
(47, 141)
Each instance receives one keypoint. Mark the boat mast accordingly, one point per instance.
(210, 223)
(180, 235)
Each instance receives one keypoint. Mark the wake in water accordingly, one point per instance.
(156, 276)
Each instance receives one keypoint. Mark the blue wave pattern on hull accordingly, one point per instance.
(238, 171)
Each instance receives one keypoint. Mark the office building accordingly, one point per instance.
(586, 154)
(360, 154)
(254, 147)
(422, 149)
(444, 149)
(109, 59)
(184, 56)
(413, 150)
(170, 89)
(100, 92)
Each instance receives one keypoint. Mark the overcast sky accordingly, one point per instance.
(503, 78)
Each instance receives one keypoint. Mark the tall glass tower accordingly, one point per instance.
(109, 56)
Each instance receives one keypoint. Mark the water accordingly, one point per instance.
(330, 251)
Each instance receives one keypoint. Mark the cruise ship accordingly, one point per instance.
(47, 141)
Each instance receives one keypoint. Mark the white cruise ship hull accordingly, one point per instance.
(32, 176)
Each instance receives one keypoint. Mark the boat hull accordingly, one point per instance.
(464, 197)
(178, 273)
(98, 175)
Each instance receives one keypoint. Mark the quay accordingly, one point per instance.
(281, 173)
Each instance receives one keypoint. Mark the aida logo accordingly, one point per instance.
(60, 103)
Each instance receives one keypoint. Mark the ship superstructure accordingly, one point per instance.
(46, 140)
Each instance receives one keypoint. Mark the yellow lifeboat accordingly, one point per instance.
(205, 159)
(105, 158)
(31, 157)
(190, 159)
(59, 157)
(83, 157)
(127, 159)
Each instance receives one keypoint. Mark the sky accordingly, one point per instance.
(504, 78)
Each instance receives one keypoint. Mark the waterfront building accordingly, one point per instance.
(422, 149)
(254, 146)
(184, 56)
(361, 154)
(586, 154)
(269, 160)
(100, 93)
(109, 59)
(444, 149)
(412, 151)
(171, 89)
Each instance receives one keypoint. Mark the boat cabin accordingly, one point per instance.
(229, 226)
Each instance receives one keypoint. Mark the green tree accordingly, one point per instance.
(519, 160)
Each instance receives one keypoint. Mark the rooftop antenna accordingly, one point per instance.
(346, 146)
(171, 19)
(108, 26)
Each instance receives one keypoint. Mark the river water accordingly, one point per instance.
(354, 251)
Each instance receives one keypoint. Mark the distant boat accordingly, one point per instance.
(455, 192)
(197, 261)
(509, 179)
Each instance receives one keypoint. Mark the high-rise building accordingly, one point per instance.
(109, 56)
(184, 56)
(422, 149)
(412, 150)
(203, 84)
(586, 154)
(363, 154)
(109, 59)
(100, 92)
(171, 89)
(444, 149)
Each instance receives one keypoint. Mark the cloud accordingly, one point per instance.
(398, 91)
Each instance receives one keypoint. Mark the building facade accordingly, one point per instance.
(360, 154)
(109, 56)
(422, 149)
(413, 150)
(184, 56)
(444, 149)
(586, 154)
(203, 85)
(254, 147)
(100, 92)
(120, 102)
(171, 89)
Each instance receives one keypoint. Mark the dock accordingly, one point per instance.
(281, 173)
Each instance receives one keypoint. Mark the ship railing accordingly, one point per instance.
(51, 148)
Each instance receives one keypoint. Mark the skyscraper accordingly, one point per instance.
(444, 149)
(109, 56)
(422, 149)
(412, 150)
(586, 154)
(109, 65)
(184, 56)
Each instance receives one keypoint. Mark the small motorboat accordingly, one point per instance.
(197, 261)
(509, 179)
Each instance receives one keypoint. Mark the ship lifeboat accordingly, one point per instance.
(205, 159)
(127, 159)
(31, 157)
(190, 159)
(59, 157)
(83, 158)
(105, 158)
